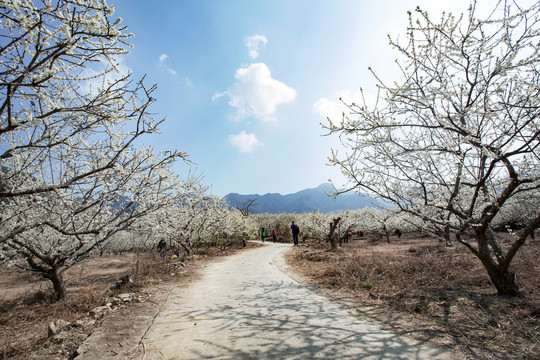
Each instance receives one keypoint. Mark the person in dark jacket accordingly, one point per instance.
(295, 230)
(162, 247)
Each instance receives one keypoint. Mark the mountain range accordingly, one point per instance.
(307, 200)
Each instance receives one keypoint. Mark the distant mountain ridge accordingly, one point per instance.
(307, 200)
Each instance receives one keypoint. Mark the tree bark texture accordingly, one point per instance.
(331, 234)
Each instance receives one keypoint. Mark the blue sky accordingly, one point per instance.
(244, 84)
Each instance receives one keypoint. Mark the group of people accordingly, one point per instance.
(295, 231)
(273, 234)
(348, 236)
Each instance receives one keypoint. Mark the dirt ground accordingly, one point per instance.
(421, 288)
(27, 305)
(247, 306)
(416, 286)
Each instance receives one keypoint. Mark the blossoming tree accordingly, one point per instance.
(71, 174)
(457, 138)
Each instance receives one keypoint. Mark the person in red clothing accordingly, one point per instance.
(274, 235)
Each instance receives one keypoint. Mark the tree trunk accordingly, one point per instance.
(331, 236)
(51, 272)
(502, 277)
(503, 280)
(58, 283)
(447, 238)
(506, 283)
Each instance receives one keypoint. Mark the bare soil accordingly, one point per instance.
(421, 288)
(414, 285)
(27, 304)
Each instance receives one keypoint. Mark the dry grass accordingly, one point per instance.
(28, 305)
(24, 320)
(436, 292)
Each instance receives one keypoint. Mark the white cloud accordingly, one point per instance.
(218, 95)
(335, 109)
(256, 93)
(187, 81)
(328, 109)
(253, 43)
(245, 142)
(162, 64)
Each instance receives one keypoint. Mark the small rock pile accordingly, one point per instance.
(56, 328)
(113, 303)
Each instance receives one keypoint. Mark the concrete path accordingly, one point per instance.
(246, 307)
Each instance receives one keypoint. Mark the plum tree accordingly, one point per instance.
(71, 174)
(457, 139)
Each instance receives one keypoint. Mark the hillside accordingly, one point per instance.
(307, 200)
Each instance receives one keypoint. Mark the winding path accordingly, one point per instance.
(246, 307)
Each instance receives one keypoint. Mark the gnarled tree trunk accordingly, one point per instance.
(494, 260)
(331, 234)
(503, 278)
(51, 271)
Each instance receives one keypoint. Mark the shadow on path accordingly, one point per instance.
(245, 308)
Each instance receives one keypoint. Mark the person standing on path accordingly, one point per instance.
(263, 234)
(274, 235)
(295, 230)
